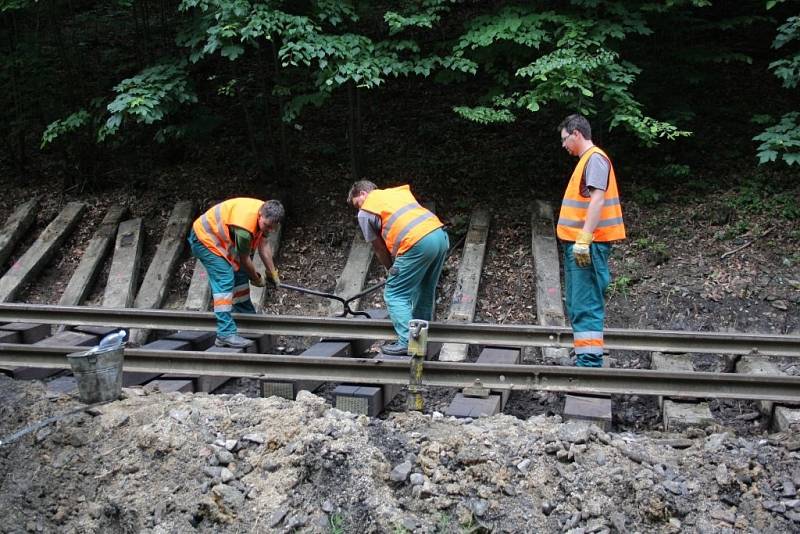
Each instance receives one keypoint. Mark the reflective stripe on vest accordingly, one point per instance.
(212, 231)
(574, 206)
(403, 220)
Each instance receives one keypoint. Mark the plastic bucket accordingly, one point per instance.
(98, 373)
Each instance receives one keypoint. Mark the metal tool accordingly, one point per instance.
(345, 302)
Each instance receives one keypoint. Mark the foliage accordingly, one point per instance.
(68, 124)
(149, 96)
(646, 196)
(619, 286)
(781, 141)
(275, 59)
(336, 522)
(763, 196)
(537, 58)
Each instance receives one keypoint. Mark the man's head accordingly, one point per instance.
(270, 215)
(358, 193)
(576, 134)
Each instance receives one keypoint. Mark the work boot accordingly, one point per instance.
(233, 340)
(395, 349)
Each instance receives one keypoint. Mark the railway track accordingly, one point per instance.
(130, 303)
(435, 374)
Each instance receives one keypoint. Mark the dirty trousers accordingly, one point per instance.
(584, 289)
(230, 289)
(411, 293)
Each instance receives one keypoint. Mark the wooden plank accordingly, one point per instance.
(156, 280)
(549, 305)
(353, 276)
(465, 296)
(17, 224)
(124, 274)
(199, 296)
(93, 258)
(259, 294)
(41, 252)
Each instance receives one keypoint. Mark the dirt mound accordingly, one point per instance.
(227, 463)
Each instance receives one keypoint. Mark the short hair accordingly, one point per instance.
(577, 122)
(272, 210)
(361, 186)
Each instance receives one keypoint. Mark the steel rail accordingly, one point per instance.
(440, 374)
(470, 333)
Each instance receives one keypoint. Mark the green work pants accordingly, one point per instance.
(411, 293)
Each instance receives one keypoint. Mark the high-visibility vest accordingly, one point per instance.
(212, 229)
(403, 220)
(574, 206)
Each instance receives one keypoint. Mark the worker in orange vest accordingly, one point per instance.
(590, 220)
(410, 243)
(224, 239)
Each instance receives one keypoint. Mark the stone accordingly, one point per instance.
(231, 497)
(226, 475)
(574, 432)
(728, 516)
(400, 472)
(277, 516)
(417, 479)
(254, 438)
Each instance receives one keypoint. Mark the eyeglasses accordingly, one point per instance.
(565, 137)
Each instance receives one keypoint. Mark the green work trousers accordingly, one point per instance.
(411, 293)
(584, 289)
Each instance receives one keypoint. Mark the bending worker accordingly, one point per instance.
(589, 221)
(409, 242)
(224, 239)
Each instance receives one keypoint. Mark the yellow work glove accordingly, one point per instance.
(581, 249)
(274, 278)
(259, 281)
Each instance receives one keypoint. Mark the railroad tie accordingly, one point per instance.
(156, 280)
(288, 389)
(549, 304)
(479, 401)
(683, 412)
(779, 416)
(16, 226)
(29, 334)
(465, 296)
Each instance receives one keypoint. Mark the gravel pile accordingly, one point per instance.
(155, 462)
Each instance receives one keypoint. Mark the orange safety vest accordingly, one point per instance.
(574, 206)
(212, 229)
(403, 220)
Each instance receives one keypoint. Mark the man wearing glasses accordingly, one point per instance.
(410, 243)
(589, 221)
